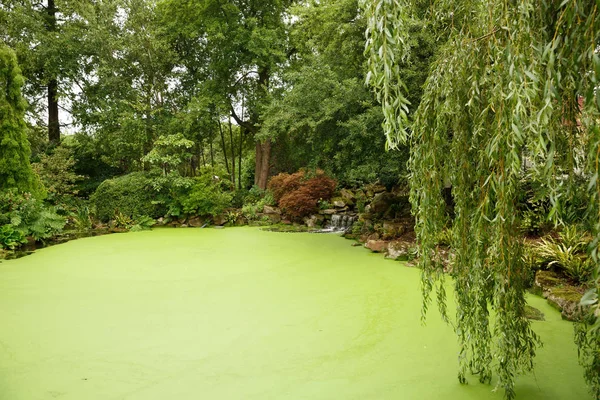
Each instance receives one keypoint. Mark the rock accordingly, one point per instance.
(560, 295)
(397, 251)
(271, 210)
(381, 203)
(373, 236)
(393, 229)
(219, 220)
(195, 222)
(374, 188)
(347, 196)
(160, 221)
(274, 218)
(329, 211)
(377, 246)
(533, 313)
(338, 202)
(241, 221)
(286, 222)
(184, 225)
(314, 221)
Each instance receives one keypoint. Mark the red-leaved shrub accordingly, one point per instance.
(285, 183)
(298, 194)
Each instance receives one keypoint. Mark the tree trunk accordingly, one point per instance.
(264, 165)
(232, 153)
(224, 148)
(53, 122)
(212, 156)
(257, 163)
(242, 133)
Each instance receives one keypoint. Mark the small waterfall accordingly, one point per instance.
(341, 223)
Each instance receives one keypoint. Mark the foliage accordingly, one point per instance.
(55, 171)
(29, 215)
(10, 237)
(131, 195)
(140, 223)
(512, 91)
(82, 219)
(15, 170)
(568, 253)
(169, 152)
(207, 196)
(255, 202)
(298, 194)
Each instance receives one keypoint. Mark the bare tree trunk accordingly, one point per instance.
(212, 156)
(257, 163)
(242, 132)
(53, 122)
(224, 148)
(232, 153)
(265, 163)
(202, 153)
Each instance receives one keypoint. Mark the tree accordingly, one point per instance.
(237, 47)
(15, 170)
(502, 99)
(324, 116)
(55, 40)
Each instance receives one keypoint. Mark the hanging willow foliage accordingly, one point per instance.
(512, 92)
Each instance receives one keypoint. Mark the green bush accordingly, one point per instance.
(132, 195)
(207, 196)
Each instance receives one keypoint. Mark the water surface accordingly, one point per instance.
(238, 313)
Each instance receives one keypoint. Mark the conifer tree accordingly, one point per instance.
(15, 170)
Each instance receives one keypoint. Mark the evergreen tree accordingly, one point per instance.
(15, 170)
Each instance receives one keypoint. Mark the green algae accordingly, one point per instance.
(238, 313)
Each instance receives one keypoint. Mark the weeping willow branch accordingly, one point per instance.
(502, 93)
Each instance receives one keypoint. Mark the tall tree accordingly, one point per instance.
(238, 46)
(15, 171)
(52, 38)
(504, 89)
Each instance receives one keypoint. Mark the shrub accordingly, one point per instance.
(131, 195)
(298, 203)
(207, 196)
(284, 183)
(55, 172)
(299, 194)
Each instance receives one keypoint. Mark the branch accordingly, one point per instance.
(487, 35)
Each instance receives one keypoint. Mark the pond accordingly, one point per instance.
(238, 313)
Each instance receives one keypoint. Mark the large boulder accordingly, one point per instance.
(314, 221)
(271, 210)
(381, 203)
(377, 246)
(195, 222)
(347, 196)
(219, 220)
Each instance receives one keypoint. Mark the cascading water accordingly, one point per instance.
(340, 223)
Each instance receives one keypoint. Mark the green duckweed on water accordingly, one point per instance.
(238, 314)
